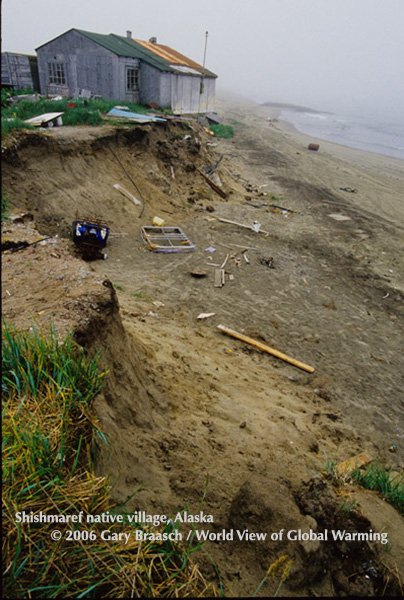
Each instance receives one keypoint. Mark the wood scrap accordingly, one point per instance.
(250, 227)
(265, 348)
(219, 278)
(355, 462)
(125, 193)
(222, 266)
(213, 185)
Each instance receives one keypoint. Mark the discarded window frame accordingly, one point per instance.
(166, 239)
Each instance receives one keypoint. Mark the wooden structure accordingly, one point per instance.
(19, 71)
(126, 70)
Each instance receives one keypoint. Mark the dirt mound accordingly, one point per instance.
(183, 404)
(72, 171)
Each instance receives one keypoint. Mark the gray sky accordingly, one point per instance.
(342, 55)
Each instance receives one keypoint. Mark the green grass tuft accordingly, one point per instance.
(376, 477)
(222, 131)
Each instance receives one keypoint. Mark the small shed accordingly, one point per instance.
(19, 71)
(124, 69)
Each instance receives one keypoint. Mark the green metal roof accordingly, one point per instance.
(123, 46)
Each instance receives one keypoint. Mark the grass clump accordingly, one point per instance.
(84, 112)
(222, 131)
(376, 477)
(5, 206)
(49, 432)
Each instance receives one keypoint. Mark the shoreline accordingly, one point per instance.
(275, 111)
(294, 128)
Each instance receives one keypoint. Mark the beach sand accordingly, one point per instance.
(185, 402)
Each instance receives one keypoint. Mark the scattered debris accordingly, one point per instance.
(222, 266)
(24, 97)
(46, 120)
(210, 249)
(213, 185)
(205, 316)
(21, 218)
(212, 168)
(158, 222)
(265, 348)
(219, 278)
(266, 262)
(198, 273)
(314, 147)
(17, 246)
(393, 448)
(348, 189)
(213, 118)
(127, 194)
(348, 466)
(131, 116)
(247, 260)
(166, 239)
(250, 227)
(339, 217)
(283, 209)
(90, 234)
(158, 304)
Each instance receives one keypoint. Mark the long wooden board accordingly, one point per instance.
(265, 348)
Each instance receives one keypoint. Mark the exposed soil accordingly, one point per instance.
(184, 401)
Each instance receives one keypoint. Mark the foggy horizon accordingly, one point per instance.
(338, 56)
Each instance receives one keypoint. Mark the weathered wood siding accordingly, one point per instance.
(187, 97)
(179, 92)
(88, 66)
(18, 71)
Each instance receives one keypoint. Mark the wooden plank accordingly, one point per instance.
(265, 348)
(45, 118)
(219, 278)
(355, 462)
(215, 187)
(125, 193)
(242, 225)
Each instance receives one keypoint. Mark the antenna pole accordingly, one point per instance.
(203, 71)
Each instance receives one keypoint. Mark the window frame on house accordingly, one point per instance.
(132, 79)
(56, 73)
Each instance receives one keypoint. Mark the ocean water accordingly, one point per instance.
(356, 132)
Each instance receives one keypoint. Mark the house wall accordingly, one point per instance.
(18, 71)
(88, 66)
(152, 85)
(179, 92)
(186, 96)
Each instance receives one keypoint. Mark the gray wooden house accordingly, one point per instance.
(126, 70)
(19, 71)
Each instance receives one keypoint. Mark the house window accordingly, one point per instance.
(132, 79)
(56, 73)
